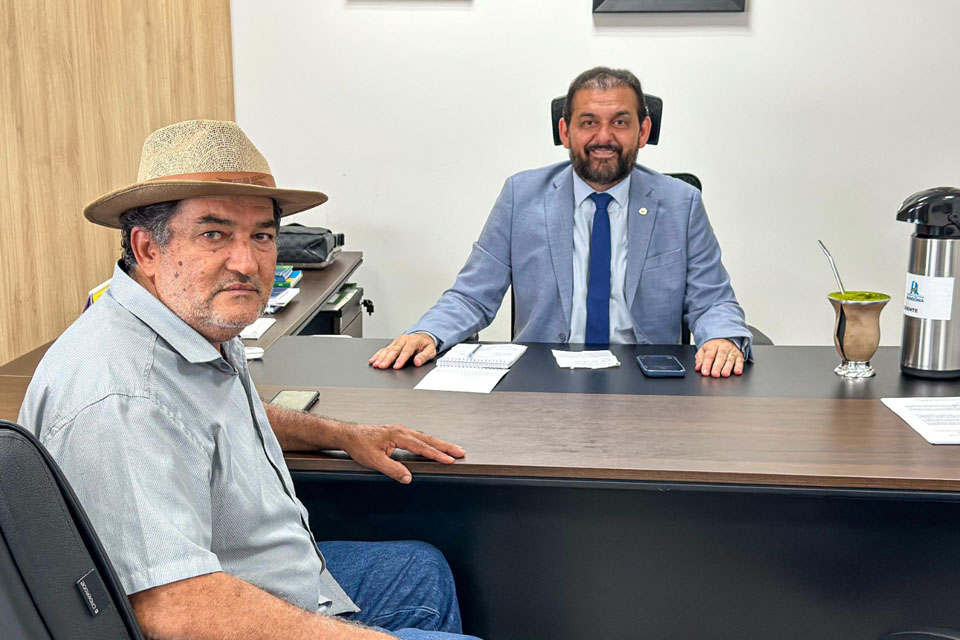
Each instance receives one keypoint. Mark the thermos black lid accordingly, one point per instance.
(936, 212)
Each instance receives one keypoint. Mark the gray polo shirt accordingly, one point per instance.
(168, 447)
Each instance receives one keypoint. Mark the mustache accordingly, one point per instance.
(239, 279)
(603, 147)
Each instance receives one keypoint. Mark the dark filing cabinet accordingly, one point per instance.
(340, 314)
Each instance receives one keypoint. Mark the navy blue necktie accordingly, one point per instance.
(598, 280)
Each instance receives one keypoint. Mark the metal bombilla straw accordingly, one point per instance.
(833, 265)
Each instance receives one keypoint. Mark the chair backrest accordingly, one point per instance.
(56, 582)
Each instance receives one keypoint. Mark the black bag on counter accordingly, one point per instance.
(314, 247)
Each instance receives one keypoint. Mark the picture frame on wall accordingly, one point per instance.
(666, 6)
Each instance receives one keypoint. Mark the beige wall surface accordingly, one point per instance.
(81, 85)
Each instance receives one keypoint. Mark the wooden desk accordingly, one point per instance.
(792, 442)
(12, 390)
(791, 507)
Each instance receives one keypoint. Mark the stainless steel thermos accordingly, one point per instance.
(931, 305)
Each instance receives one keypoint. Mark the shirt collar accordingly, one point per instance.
(183, 338)
(619, 191)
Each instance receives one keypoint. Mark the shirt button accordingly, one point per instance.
(562, 337)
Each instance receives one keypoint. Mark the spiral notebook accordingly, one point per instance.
(482, 356)
(472, 368)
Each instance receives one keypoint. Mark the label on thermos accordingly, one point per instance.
(928, 297)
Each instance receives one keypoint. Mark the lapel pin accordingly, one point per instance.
(643, 211)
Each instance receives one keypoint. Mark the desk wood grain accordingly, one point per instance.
(12, 390)
(807, 442)
(26, 364)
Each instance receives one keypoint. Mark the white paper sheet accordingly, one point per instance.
(257, 329)
(461, 379)
(601, 359)
(936, 419)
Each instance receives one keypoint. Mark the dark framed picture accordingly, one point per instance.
(666, 6)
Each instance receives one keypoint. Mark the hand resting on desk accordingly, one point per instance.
(370, 445)
(719, 357)
(418, 345)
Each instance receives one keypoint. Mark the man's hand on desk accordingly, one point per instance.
(370, 445)
(418, 345)
(719, 357)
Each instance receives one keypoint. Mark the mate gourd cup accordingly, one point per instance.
(856, 333)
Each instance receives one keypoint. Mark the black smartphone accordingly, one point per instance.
(296, 400)
(661, 366)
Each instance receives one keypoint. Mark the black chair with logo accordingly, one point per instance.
(56, 582)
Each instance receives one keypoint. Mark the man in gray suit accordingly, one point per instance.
(598, 249)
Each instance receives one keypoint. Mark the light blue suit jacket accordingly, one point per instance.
(673, 265)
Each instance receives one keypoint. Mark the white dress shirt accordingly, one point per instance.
(621, 322)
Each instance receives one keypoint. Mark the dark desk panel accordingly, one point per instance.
(547, 559)
(784, 372)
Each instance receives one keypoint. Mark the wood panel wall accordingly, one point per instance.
(81, 85)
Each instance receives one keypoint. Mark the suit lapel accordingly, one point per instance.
(639, 230)
(558, 210)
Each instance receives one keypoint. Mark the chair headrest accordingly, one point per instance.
(654, 108)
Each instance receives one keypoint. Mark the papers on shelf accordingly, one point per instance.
(482, 356)
(280, 297)
(461, 379)
(253, 353)
(936, 419)
(586, 359)
(256, 330)
(96, 292)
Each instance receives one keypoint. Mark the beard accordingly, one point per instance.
(200, 310)
(603, 173)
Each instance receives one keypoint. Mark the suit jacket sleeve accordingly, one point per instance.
(710, 307)
(472, 302)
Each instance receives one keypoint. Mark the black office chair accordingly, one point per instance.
(56, 582)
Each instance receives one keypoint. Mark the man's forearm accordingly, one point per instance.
(218, 606)
(299, 431)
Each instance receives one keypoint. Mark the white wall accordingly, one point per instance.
(805, 119)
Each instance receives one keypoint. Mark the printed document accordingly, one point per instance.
(936, 419)
(603, 359)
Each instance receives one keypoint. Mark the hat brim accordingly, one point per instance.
(106, 210)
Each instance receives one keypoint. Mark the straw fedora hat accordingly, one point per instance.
(198, 158)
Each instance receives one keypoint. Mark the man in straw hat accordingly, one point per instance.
(147, 405)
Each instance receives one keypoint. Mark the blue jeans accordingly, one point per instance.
(402, 588)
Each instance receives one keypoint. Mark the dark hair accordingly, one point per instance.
(605, 79)
(155, 220)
